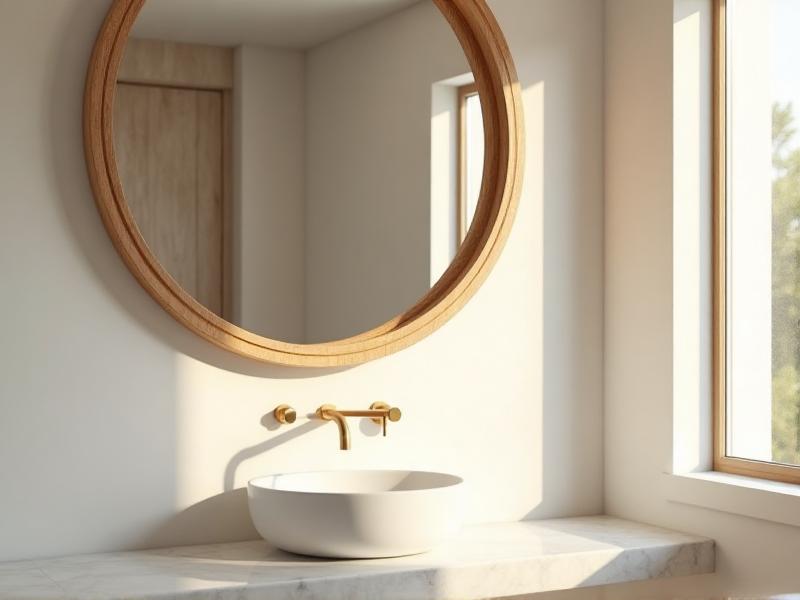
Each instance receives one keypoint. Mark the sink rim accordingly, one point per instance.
(453, 481)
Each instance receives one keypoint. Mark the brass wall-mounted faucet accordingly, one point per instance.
(380, 412)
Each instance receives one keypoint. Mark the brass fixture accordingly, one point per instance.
(285, 414)
(379, 412)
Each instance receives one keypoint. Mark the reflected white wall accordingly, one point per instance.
(269, 192)
(369, 167)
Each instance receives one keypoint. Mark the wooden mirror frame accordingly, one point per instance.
(488, 55)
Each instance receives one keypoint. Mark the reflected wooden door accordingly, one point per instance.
(169, 147)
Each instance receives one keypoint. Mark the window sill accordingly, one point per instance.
(748, 496)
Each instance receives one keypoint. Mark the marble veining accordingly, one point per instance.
(484, 561)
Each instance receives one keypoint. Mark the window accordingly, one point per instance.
(757, 238)
(470, 159)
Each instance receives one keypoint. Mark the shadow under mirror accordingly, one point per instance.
(305, 170)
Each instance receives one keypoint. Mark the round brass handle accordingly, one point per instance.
(393, 415)
(285, 414)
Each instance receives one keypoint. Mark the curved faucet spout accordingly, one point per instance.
(328, 412)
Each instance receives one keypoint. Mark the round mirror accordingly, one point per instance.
(304, 181)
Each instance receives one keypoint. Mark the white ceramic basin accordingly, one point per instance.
(356, 514)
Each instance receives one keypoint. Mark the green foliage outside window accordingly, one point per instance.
(785, 288)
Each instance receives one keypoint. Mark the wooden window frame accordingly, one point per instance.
(464, 92)
(722, 461)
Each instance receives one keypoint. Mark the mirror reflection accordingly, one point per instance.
(306, 169)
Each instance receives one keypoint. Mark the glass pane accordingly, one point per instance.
(763, 156)
(474, 154)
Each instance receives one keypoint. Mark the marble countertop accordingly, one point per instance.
(484, 561)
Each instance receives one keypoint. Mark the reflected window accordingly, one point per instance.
(470, 162)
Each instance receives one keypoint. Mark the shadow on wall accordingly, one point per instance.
(366, 427)
(265, 446)
(222, 517)
(225, 516)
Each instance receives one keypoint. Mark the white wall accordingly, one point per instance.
(269, 191)
(368, 172)
(120, 429)
(369, 165)
(654, 308)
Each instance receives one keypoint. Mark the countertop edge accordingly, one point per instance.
(486, 561)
